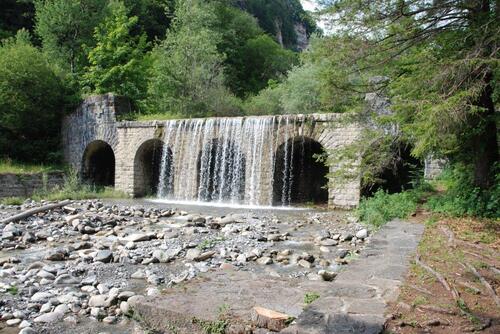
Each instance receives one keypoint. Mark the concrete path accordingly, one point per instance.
(357, 299)
(354, 303)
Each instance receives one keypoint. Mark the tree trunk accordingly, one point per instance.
(485, 141)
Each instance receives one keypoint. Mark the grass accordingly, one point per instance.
(310, 297)
(71, 189)
(9, 166)
(149, 117)
(209, 243)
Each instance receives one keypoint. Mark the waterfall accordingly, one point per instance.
(229, 160)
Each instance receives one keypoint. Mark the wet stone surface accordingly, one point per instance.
(77, 268)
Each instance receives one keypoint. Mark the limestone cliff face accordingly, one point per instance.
(302, 38)
(286, 20)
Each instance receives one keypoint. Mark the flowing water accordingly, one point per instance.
(227, 160)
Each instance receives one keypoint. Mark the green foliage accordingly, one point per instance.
(209, 243)
(12, 201)
(116, 63)
(383, 207)
(64, 26)
(299, 93)
(187, 74)
(302, 90)
(15, 15)
(262, 60)
(267, 102)
(441, 58)
(13, 290)
(463, 198)
(310, 297)
(32, 101)
(9, 166)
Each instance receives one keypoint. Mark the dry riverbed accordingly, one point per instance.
(75, 269)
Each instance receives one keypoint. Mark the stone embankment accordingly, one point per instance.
(80, 268)
(24, 185)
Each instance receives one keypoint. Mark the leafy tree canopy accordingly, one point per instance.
(117, 61)
(442, 61)
(32, 100)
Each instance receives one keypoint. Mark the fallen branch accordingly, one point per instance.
(450, 235)
(33, 211)
(440, 278)
(422, 290)
(485, 283)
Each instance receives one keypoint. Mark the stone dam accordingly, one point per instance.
(255, 160)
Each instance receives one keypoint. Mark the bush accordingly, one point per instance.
(32, 101)
(461, 198)
(383, 207)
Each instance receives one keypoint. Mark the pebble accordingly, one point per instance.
(362, 234)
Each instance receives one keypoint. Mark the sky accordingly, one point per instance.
(311, 5)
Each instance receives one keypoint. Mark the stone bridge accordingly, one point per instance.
(264, 156)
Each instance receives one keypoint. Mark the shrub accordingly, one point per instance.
(383, 207)
(462, 198)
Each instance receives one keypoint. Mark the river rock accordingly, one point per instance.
(104, 255)
(13, 322)
(66, 279)
(27, 330)
(56, 255)
(50, 317)
(329, 242)
(265, 260)
(98, 301)
(41, 296)
(29, 237)
(362, 234)
(138, 237)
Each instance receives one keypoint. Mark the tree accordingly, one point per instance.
(65, 26)
(442, 61)
(263, 60)
(117, 61)
(32, 101)
(188, 71)
(250, 53)
(15, 15)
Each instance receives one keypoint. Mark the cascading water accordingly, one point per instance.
(227, 160)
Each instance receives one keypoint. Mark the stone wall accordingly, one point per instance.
(24, 185)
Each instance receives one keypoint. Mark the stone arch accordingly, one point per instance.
(298, 176)
(147, 168)
(221, 171)
(397, 175)
(98, 164)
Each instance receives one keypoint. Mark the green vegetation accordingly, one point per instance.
(463, 198)
(32, 101)
(9, 166)
(172, 58)
(116, 63)
(209, 243)
(71, 189)
(383, 207)
(310, 297)
(13, 290)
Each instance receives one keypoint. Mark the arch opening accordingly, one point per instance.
(221, 172)
(298, 176)
(395, 175)
(98, 164)
(148, 176)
